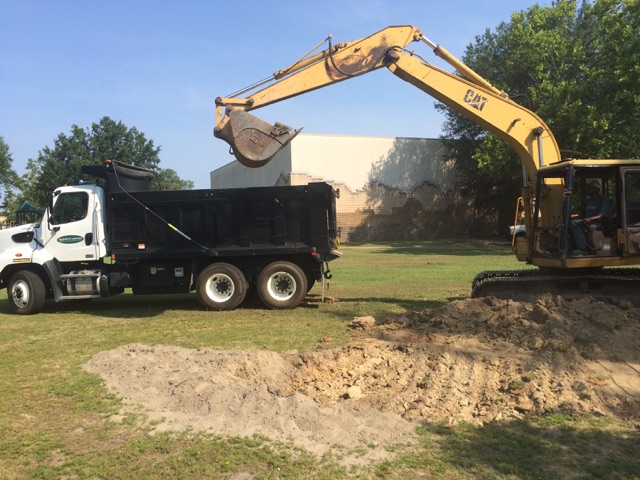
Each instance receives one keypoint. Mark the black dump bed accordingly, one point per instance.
(237, 222)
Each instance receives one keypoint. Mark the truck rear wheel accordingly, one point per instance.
(26, 293)
(282, 285)
(221, 286)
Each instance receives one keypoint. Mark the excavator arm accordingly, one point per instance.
(255, 142)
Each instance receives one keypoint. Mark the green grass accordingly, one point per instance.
(54, 417)
(559, 447)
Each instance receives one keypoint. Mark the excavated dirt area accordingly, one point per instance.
(476, 360)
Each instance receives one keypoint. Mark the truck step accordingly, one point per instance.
(77, 297)
(79, 275)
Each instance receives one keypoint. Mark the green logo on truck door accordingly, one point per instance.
(70, 239)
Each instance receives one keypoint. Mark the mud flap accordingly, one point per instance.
(254, 142)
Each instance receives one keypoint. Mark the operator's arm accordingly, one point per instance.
(598, 210)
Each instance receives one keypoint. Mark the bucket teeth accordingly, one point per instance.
(254, 142)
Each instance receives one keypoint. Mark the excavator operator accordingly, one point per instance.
(596, 209)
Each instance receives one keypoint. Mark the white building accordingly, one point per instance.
(390, 188)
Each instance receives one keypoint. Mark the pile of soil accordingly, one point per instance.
(475, 360)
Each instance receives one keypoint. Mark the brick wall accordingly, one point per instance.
(381, 213)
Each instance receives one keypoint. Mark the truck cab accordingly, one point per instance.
(74, 231)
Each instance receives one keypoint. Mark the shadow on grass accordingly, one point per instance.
(147, 306)
(126, 306)
(461, 248)
(408, 304)
(119, 306)
(545, 448)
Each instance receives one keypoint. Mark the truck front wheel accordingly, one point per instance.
(282, 285)
(221, 286)
(26, 293)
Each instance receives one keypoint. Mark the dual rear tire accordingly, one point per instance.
(280, 285)
(221, 286)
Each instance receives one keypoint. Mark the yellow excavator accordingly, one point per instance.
(555, 190)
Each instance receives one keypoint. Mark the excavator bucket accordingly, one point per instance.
(253, 141)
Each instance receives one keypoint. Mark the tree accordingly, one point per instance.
(8, 176)
(9, 180)
(577, 67)
(106, 139)
(168, 179)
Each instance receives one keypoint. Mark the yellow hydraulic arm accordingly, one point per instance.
(254, 142)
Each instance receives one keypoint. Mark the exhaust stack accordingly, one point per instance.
(253, 142)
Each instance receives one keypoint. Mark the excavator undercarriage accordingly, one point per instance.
(611, 284)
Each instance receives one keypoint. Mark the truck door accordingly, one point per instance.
(631, 210)
(74, 228)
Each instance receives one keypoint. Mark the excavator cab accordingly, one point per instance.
(253, 141)
(615, 241)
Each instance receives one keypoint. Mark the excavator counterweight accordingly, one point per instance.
(254, 142)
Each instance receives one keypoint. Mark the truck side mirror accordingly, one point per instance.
(49, 202)
(49, 211)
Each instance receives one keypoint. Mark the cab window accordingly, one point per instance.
(70, 207)
(632, 198)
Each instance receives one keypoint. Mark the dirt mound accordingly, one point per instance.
(475, 360)
(481, 360)
(240, 393)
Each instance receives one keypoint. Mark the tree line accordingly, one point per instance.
(577, 66)
(60, 164)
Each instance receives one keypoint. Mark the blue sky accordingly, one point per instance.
(159, 65)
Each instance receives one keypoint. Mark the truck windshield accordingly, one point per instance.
(70, 207)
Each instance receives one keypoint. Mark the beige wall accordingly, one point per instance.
(235, 174)
(390, 188)
(403, 163)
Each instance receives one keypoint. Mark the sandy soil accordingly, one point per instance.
(477, 360)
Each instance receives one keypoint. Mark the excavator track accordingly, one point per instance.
(610, 284)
